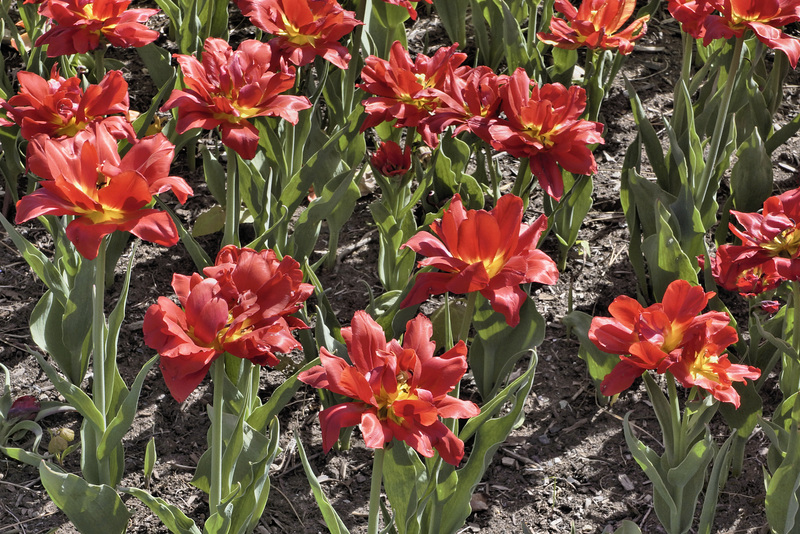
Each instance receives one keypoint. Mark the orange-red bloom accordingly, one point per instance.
(596, 24)
(408, 91)
(544, 125)
(60, 107)
(488, 251)
(391, 160)
(243, 307)
(399, 391)
(670, 336)
(86, 178)
(304, 29)
(229, 87)
(692, 15)
(763, 17)
(770, 249)
(81, 25)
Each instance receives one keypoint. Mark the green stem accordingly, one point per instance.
(99, 363)
(686, 65)
(448, 332)
(795, 310)
(232, 201)
(719, 126)
(492, 171)
(466, 321)
(218, 380)
(375, 490)
(675, 420)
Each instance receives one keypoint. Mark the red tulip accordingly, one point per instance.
(60, 107)
(763, 17)
(692, 15)
(229, 87)
(596, 24)
(243, 307)
(670, 336)
(408, 91)
(304, 29)
(81, 25)
(544, 125)
(86, 178)
(488, 251)
(399, 391)
(391, 160)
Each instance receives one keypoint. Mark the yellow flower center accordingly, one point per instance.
(386, 400)
(293, 33)
(71, 128)
(785, 245)
(703, 366)
(535, 131)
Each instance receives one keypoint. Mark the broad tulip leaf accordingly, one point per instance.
(628, 527)
(489, 432)
(719, 473)
(404, 481)
(332, 519)
(74, 395)
(782, 503)
(209, 222)
(173, 518)
(262, 415)
(649, 137)
(93, 509)
(119, 426)
(598, 363)
(46, 327)
(751, 176)
(37, 261)
(497, 347)
(451, 13)
(665, 259)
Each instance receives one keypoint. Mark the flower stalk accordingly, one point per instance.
(375, 490)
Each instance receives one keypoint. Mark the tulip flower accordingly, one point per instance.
(770, 244)
(242, 307)
(488, 251)
(692, 15)
(304, 29)
(229, 87)
(473, 105)
(595, 24)
(408, 91)
(399, 391)
(86, 178)
(703, 364)
(81, 25)
(763, 17)
(544, 125)
(60, 107)
(391, 160)
(656, 338)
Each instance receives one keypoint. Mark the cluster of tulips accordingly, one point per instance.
(294, 110)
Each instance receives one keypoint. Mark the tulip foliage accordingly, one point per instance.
(288, 122)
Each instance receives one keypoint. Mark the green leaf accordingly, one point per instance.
(751, 176)
(74, 395)
(782, 503)
(628, 527)
(332, 519)
(598, 363)
(149, 459)
(209, 222)
(123, 420)
(46, 327)
(451, 13)
(665, 258)
(497, 347)
(38, 262)
(278, 400)
(92, 509)
(170, 515)
(404, 481)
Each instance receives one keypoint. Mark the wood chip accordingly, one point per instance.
(626, 482)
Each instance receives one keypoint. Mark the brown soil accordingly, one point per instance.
(567, 464)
